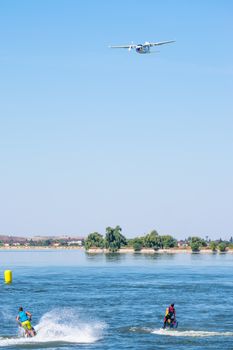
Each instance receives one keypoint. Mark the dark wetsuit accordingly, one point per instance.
(170, 315)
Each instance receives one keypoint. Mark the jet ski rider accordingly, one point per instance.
(24, 318)
(169, 315)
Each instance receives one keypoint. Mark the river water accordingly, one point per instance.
(117, 301)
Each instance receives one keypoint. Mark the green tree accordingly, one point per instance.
(222, 247)
(213, 246)
(32, 243)
(195, 246)
(153, 240)
(47, 242)
(114, 239)
(199, 240)
(138, 244)
(63, 243)
(94, 240)
(168, 241)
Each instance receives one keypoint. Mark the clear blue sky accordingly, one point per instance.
(92, 137)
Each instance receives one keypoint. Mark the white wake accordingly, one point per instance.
(63, 325)
(199, 334)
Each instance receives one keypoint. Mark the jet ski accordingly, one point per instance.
(171, 324)
(28, 333)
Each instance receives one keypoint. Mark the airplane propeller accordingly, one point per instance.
(130, 47)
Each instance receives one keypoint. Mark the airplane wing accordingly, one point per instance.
(162, 43)
(123, 46)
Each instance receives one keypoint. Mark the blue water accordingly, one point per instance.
(117, 301)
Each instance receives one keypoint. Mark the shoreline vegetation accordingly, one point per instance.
(128, 250)
(115, 242)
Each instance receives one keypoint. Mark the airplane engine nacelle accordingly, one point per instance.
(139, 48)
(142, 49)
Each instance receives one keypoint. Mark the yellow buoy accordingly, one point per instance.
(8, 276)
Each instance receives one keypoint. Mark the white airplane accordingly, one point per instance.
(141, 48)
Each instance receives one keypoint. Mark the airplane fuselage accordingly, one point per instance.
(143, 48)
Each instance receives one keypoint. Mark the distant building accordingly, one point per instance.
(78, 242)
(182, 244)
(56, 244)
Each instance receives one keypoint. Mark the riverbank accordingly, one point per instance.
(41, 248)
(120, 251)
(159, 251)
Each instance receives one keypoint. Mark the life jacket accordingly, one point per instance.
(23, 316)
(171, 310)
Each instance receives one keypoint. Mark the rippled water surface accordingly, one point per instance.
(117, 301)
